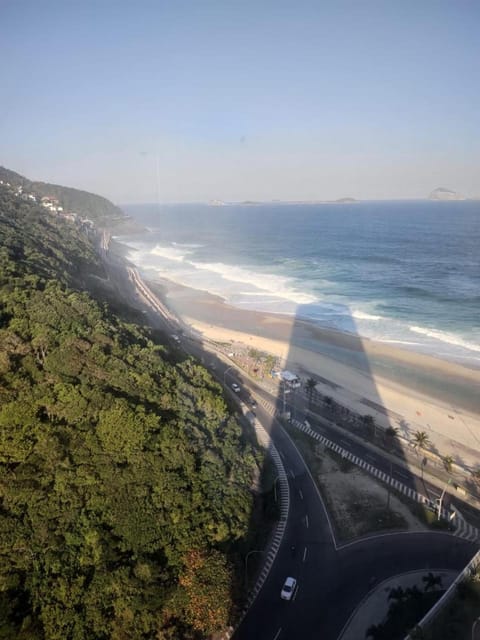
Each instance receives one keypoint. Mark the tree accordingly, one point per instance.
(396, 593)
(417, 633)
(369, 423)
(432, 581)
(206, 583)
(420, 440)
(475, 473)
(310, 386)
(391, 434)
(114, 461)
(448, 463)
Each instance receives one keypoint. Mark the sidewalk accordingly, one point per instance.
(374, 607)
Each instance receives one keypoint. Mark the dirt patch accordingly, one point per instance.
(356, 502)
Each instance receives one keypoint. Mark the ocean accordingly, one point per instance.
(402, 272)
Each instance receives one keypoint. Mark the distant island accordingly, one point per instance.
(283, 202)
(445, 194)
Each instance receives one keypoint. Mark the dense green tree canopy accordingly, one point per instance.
(124, 480)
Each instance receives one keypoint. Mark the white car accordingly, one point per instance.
(235, 387)
(288, 589)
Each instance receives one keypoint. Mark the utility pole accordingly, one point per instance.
(246, 564)
(225, 375)
(441, 498)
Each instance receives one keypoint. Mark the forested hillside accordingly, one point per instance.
(124, 481)
(88, 205)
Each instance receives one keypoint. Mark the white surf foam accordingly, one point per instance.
(265, 283)
(361, 315)
(170, 253)
(444, 336)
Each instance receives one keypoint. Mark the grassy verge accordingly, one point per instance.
(368, 514)
(361, 513)
(427, 516)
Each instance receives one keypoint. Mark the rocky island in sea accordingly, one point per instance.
(440, 193)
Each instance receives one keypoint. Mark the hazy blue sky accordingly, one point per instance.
(237, 100)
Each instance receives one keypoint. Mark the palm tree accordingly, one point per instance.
(396, 593)
(391, 434)
(448, 463)
(476, 476)
(328, 401)
(475, 473)
(421, 440)
(431, 581)
(417, 633)
(310, 386)
(369, 422)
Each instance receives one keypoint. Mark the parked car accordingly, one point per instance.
(288, 589)
(253, 403)
(235, 387)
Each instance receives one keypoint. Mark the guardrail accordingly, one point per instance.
(449, 593)
(264, 439)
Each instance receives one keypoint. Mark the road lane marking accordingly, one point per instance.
(402, 474)
(304, 554)
(306, 521)
(301, 494)
(345, 442)
(295, 594)
(292, 475)
(278, 633)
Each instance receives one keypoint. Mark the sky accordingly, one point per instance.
(194, 101)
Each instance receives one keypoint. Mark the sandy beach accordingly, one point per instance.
(397, 387)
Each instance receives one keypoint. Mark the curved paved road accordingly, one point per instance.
(332, 581)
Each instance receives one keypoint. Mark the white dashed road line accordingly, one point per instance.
(278, 633)
(304, 554)
(306, 521)
(300, 494)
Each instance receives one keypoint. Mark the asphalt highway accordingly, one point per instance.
(370, 455)
(332, 580)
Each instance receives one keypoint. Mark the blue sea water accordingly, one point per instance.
(406, 272)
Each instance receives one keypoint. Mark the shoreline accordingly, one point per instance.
(439, 342)
(402, 388)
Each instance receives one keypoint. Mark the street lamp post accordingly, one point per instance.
(246, 561)
(275, 487)
(441, 498)
(473, 628)
(225, 375)
(424, 464)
